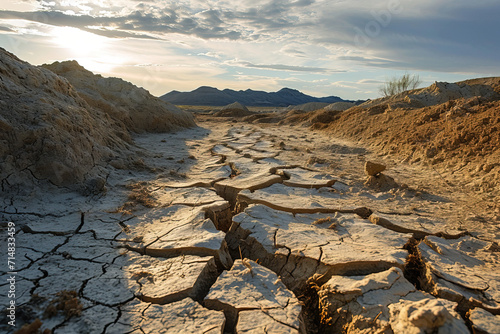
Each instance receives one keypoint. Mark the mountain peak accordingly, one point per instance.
(286, 89)
(206, 89)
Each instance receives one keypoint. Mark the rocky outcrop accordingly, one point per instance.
(135, 107)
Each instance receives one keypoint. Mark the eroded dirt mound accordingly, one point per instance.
(455, 128)
(437, 93)
(235, 109)
(50, 130)
(133, 106)
(339, 106)
(460, 135)
(47, 130)
(317, 116)
(311, 106)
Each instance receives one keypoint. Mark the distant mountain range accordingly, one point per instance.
(209, 96)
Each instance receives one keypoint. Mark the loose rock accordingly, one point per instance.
(373, 168)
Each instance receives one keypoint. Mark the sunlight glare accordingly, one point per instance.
(80, 43)
(92, 51)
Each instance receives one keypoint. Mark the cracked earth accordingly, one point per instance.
(243, 229)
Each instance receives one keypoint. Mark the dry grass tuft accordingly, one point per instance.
(33, 328)
(140, 194)
(332, 226)
(322, 221)
(66, 302)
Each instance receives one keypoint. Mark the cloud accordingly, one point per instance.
(308, 39)
(6, 29)
(294, 52)
(442, 35)
(369, 82)
(280, 67)
(211, 55)
(136, 24)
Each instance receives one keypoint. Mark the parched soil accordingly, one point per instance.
(457, 141)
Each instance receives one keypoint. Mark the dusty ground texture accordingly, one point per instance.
(239, 228)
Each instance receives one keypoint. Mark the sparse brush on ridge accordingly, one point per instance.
(398, 85)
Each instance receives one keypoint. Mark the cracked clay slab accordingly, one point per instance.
(179, 230)
(419, 226)
(484, 322)
(184, 316)
(465, 269)
(304, 178)
(383, 302)
(161, 281)
(248, 287)
(297, 246)
(297, 199)
(194, 196)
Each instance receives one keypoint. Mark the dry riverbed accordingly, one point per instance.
(239, 228)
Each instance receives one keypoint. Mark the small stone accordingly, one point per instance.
(373, 168)
(95, 186)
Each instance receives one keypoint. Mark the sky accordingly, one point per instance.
(320, 47)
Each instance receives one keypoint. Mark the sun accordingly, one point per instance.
(78, 42)
(90, 50)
